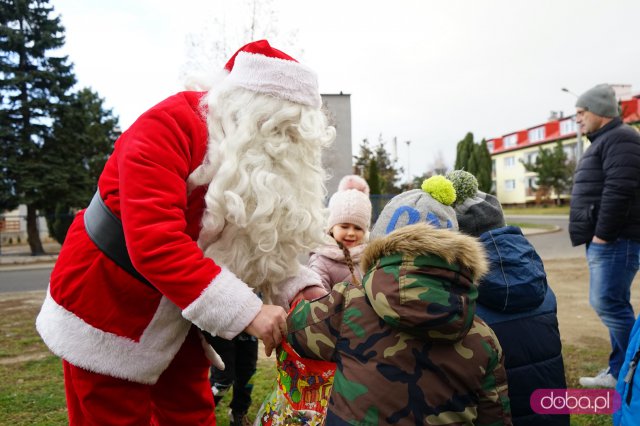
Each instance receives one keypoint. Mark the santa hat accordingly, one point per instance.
(350, 204)
(261, 68)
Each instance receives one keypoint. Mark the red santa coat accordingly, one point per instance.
(100, 318)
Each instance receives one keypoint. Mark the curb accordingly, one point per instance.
(539, 231)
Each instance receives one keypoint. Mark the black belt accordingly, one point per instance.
(105, 230)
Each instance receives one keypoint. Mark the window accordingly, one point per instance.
(509, 161)
(510, 141)
(570, 151)
(510, 184)
(490, 146)
(536, 134)
(568, 126)
(531, 157)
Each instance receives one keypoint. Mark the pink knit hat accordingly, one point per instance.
(350, 204)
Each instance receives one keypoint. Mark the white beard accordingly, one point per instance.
(264, 203)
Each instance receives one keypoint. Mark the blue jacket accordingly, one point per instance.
(628, 413)
(515, 300)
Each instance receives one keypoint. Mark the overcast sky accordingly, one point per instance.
(424, 71)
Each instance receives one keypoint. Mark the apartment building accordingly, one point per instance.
(512, 184)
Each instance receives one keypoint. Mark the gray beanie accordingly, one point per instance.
(600, 100)
(479, 214)
(419, 205)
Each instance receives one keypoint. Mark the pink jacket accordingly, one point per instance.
(329, 262)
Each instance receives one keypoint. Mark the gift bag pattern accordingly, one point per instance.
(302, 391)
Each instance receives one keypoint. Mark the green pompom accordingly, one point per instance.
(465, 184)
(441, 189)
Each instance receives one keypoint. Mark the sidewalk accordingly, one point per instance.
(20, 254)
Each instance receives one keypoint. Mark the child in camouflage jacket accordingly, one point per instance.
(409, 349)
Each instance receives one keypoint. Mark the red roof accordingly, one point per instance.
(630, 114)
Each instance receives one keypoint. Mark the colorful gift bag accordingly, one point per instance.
(302, 390)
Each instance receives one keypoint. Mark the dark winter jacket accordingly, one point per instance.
(516, 302)
(605, 200)
(409, 349)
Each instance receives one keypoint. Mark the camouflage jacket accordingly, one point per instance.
(408, 347)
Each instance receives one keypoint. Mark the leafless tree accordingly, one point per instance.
(232, 25)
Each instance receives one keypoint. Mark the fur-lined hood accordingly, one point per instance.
(421, 238)
(422, 280)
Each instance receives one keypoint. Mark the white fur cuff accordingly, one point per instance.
(225, 308)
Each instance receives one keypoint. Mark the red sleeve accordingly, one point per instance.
(155, 158)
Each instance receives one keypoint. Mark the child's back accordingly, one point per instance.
(520, 307)
(408, 347)
(515, 300)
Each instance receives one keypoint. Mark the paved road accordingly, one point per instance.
(25, 278)
(553, 245)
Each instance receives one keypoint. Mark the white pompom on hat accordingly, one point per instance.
(350, 204)
(353, 182)
(261, 68)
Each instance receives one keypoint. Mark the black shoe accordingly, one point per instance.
(239, 419)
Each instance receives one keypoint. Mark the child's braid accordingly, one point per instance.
(349, 260)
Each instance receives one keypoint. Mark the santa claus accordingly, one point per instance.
(215, 194)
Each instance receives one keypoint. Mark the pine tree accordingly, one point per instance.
(387, 174)
(33, 82)
(464, 151)
(475, 159)
(83, 136)
(483, 163)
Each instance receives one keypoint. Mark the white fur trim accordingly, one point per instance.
(225, 308)
(282, 78)
(305, 277)
(213, 356)
(85, 346)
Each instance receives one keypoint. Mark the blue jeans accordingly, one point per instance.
(612, 268)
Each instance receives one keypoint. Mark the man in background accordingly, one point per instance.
(605, 215)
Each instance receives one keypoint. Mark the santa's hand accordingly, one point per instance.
(270, 325)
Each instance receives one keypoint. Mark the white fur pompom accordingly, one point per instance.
(353, 182)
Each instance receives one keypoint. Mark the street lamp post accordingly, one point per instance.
(578, 130)
(408, 162)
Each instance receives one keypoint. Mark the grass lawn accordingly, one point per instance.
(32, 391)
(536, 210)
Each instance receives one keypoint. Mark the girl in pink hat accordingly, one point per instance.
(338, 259)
